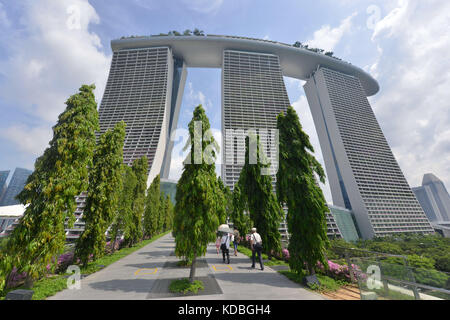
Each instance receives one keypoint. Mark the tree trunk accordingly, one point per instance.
(192, 274)
(28, 282)
(311, 269)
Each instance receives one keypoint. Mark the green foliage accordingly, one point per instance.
(49, 286)
(416, 261)
(151, 213)
(105, 182)
(228, 201)
(135, 230)
(123, 220)
(185, 286)
(258, 196)
(241, 220)
(199, 199)
(299, 190)
(162, 212)
(60, 174)
(168, 221)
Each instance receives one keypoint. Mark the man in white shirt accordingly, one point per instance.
(256, 245)
(225, 246)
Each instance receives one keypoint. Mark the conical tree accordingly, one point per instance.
(105, 182)
(169, 214)
(258, 196)
(199, 199)
(140, 171)
(228, 201)
(151, 213)
(123, 220)
(162, 212)
(60, 174)
(298, 189)
(241, 221)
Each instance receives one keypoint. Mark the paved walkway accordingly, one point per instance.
(146, 273)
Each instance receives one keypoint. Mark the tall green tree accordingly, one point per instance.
(258, 196)
(168, 223)
(199, 199)
(162, 212)
(228, 201)
(123, 220)
(240, 219)
(139, 169)
(298, 189)
(151, 213)
(105, 182)
(60, 174)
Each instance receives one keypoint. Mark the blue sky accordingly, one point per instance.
(48, 48)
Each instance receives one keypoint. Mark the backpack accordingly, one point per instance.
(223, 246)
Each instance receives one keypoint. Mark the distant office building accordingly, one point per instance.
(434, 198)
(169, 187)
(442, 227)
(9, 218)
(15, 186)
(3, 177)
(363, 174)
(343, 218)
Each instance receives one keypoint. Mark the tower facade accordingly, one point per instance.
(15, 186)
(363, 174)
(434, 198)
(253, 95)
(140, 91)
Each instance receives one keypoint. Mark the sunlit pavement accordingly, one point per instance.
(146, 273)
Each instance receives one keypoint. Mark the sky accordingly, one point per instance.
(49, 48)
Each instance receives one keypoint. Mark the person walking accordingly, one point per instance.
(236, 240)
(256, 245)
(225, 246)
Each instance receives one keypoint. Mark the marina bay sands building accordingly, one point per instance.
(145, 88)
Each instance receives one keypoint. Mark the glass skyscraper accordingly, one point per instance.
(434, 198)
(3, 177)
(15, 186)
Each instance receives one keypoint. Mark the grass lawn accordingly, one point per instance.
(49, 286)
(184, 286)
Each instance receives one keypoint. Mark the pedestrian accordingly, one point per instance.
(236, 240)
(225, 246)
(218, 240)
(256, 245)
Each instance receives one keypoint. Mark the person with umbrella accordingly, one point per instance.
(227, 237)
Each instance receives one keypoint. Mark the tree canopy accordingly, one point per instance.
(258, 197)
(297, 187)
(199, 198)
(105, 182)
(60, 174)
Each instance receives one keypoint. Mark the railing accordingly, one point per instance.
(381, 276)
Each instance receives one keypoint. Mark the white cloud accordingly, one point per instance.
(327, 38)
(28, 140)
(4, 21)
(50, 58)
(204, 6)
(414, 73)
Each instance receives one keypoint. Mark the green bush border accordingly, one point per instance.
(49, 286)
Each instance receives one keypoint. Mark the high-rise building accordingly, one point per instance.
(363, 174)
(3, 177)
(434, 198)
(145, 88)
(15, 186)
